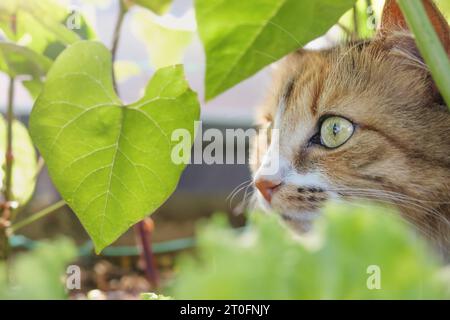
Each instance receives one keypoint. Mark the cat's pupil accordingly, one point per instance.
(336, 129)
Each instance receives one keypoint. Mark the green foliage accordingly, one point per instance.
(40, 35)
(24, 168)
(241, 37)
(111, 163)
(267, 262)
(18, 60)
(165, 46)
(38, 274)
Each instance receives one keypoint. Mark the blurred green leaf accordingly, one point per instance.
(157, 6)
(18, 60)
(242, 37)
(110, 162)
(165, 46)
(38, 275)
(25, 161)
(124, 70)
(43, 25)
(332, 262)
(34, 87)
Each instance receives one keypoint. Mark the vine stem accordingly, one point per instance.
(38, 215)
(116, 37)
(429, 44)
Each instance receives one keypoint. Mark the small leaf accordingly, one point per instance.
(165, 44)
(242, 37)
(24, 164)
(110, 162)
(18, 60)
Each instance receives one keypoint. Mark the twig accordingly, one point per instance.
(38, 215)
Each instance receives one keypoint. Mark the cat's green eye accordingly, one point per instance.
(335, 131)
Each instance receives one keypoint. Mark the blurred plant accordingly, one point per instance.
(39, 273)
(338, 260)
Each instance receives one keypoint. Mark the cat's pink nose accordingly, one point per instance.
(267, 187)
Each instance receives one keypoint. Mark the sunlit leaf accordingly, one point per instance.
(24, 164)
(111, 163)
(348, 249)
(38, 275)
(242, 37)
(165, 45)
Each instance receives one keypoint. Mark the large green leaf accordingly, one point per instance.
(110, 162)
(38, 274)
(241, 37)
(24, 164)
(335, 261)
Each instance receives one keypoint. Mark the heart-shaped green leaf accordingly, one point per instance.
(111, 163)
(241, 37)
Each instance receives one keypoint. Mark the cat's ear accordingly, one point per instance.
(392, 21)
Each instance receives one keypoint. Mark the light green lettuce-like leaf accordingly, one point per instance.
(157, 6)
(111, 163)
(38, 275)
(165, 46)
(349, 248)
(242, 37)
(24, 165)
(18, 60)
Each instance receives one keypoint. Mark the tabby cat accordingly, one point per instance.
(362, 120)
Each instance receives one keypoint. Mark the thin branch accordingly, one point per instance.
(38, 215)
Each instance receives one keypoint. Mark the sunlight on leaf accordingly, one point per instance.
(335, 261)
(242, 37)
(111, 163)
(25, 162)
(124, 70)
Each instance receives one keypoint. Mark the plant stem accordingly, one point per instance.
(116, 37)
(429, 44)
(144, 230)
(38, 215)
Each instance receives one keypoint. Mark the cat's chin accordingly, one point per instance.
(300, 222)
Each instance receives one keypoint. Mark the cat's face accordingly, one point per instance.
(359, 121)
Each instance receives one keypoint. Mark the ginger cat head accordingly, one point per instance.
(363, 120)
